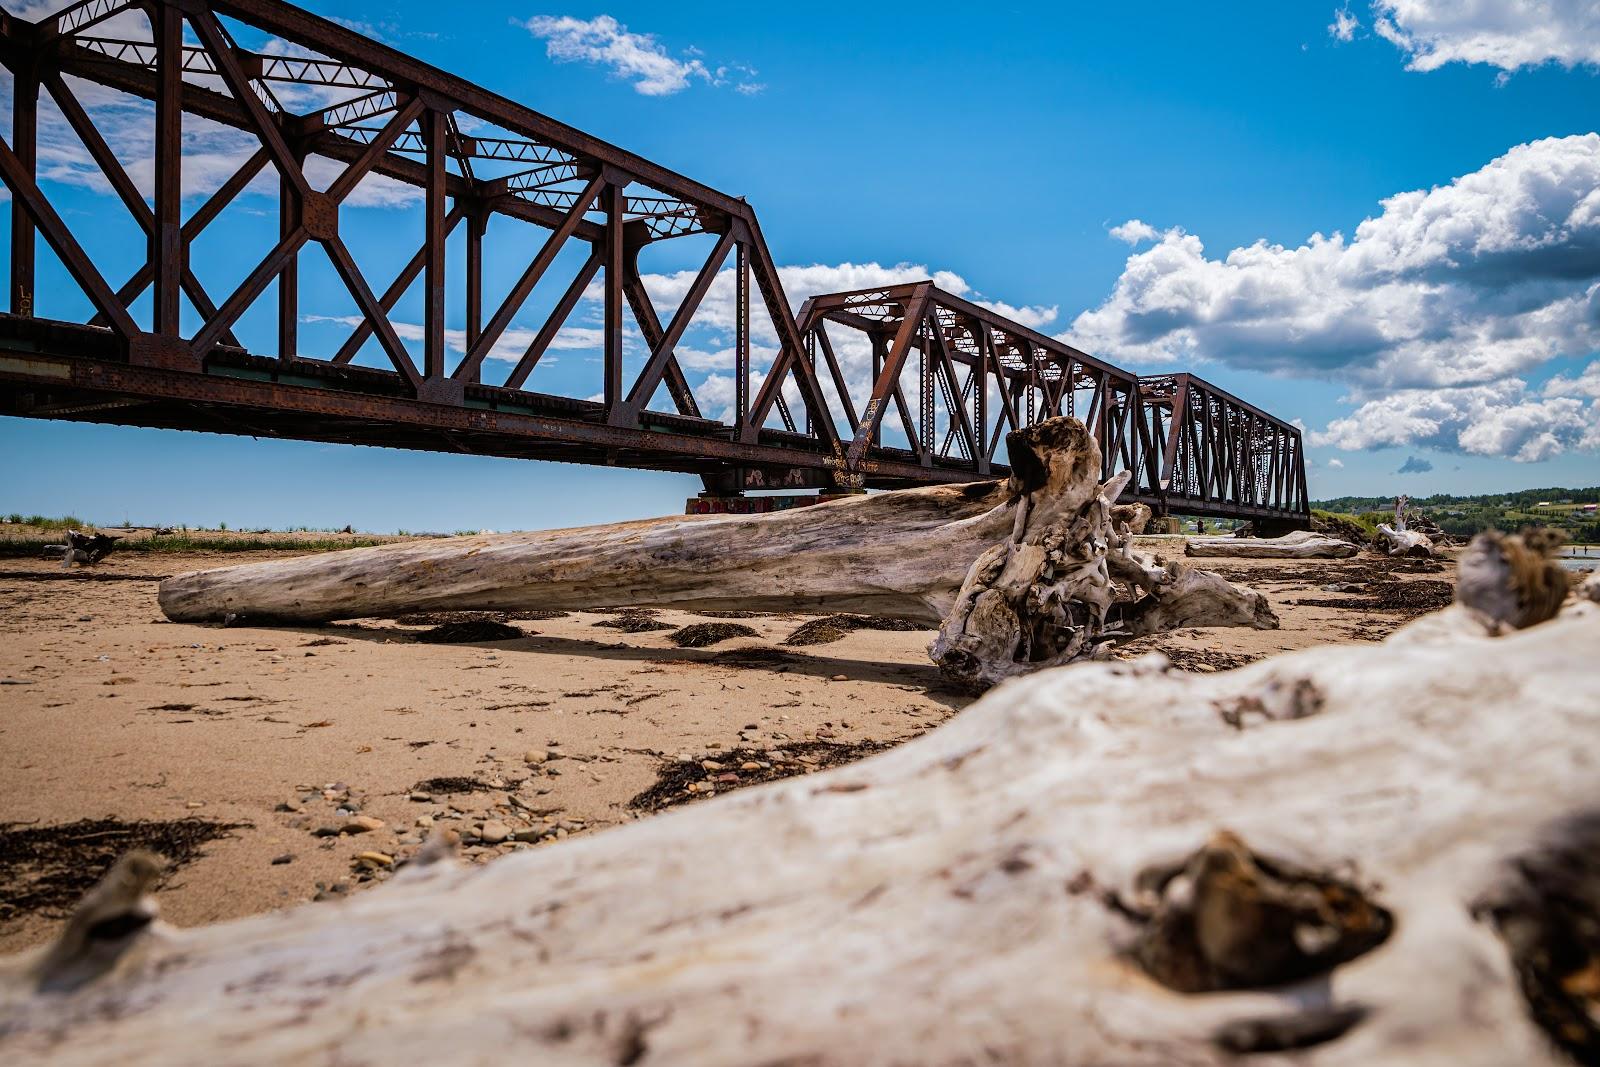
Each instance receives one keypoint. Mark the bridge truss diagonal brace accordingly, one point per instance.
(791, 355)
(25, 192)
(888, 380)
(662, 341)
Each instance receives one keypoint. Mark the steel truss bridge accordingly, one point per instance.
(953, 375)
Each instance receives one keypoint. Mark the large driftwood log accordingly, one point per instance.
(901, 553)
(1050, 535)
(1384, 853)
(1301, 544)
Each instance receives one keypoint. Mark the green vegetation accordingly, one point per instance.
(1463, 516)
(36, 531)
(1368, 521)
(65, 522)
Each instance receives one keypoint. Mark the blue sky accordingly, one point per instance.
(1456, 330)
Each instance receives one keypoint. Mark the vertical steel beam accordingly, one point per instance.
(741, 334)
(290, 210)
(477, 222)
(166, 237)
(433, 130)
(25, 139)
(880, 352)
(615, 204)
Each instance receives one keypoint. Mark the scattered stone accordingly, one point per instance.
(494, 832)
(373, 861)
(362, 824)
(535, 756)
(279, 861)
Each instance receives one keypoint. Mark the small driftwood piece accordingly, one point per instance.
(82, 547)
(1404, 541)
(1362, 854)
(1301, 544)
(1067, 583)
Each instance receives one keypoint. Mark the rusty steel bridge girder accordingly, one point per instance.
(475, 155)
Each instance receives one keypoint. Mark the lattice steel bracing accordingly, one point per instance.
(976, 374)
(1219, 455)
(311, 94)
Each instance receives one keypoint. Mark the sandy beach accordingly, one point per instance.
(290, 764)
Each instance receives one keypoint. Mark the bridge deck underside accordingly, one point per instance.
(45, 373)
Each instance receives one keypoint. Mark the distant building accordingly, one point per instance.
(1591, 508)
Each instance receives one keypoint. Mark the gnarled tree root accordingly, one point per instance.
(1067, 583)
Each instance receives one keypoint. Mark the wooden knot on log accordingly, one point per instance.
(1512, 581)
(104, 925)
(1229, 918)
(1545, 905)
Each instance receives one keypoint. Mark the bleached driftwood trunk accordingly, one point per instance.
(904, 553)
(1049, 878)
(900, 553)
(1301, 544)
(1404, 541)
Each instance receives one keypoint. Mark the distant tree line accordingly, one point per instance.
(1464, 516)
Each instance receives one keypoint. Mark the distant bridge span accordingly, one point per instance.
(949, 377)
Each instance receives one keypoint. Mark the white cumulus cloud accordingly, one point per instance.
(1508, 34)
(635, 57)
(1439, 299)
(1344, 25)
(1135, 231)
(1499, 419)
